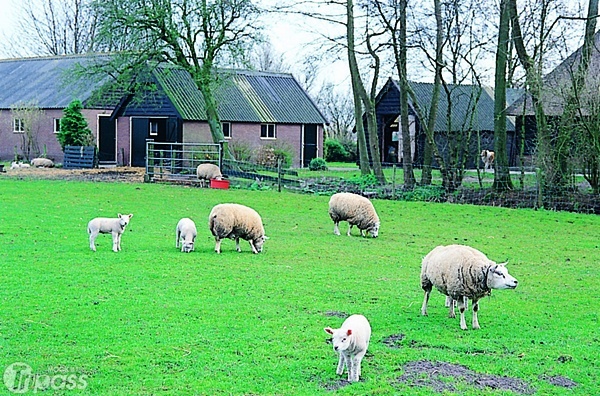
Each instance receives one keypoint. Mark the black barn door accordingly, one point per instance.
(310, 144)
(107, 140)
(139, 134)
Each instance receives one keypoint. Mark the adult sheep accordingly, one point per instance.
(207, 172)
(462, 272)
(104, 225)
(351, 342)
(186, 233)
(42, 163)
(356, 210)
(236, 221)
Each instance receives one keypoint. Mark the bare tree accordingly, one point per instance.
(339, 110)
(28, 119)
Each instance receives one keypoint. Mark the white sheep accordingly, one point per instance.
(42, 162)
(462, 272)
(236, 221)
(487, 157)
(186, 234)
(351, 342)
(104, 225)
(356, 210)
(17, 165)
(206, 172)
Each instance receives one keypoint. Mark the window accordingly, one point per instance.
(226, 126)
(18, 126)
(267, 131)
(56, 125)
(153, 128)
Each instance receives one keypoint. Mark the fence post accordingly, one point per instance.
(222, 148)
(540, 182)
(279, 174)
(394, 183)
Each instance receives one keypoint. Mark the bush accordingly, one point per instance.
(334, 151)
(317, 164)
(242, 151)
(74, 130)
(269, 155)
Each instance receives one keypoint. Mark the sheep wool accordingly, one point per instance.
(351, 342)
(356, 210)
(42, 163)
(236, 221)
(462, 272)
(206, 172)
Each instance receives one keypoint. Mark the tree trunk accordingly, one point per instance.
(502, 179)
(363, 154)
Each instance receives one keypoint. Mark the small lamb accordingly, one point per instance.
(351, 342)
(206, 172)
(487, 157)
(42, 163)
(462, 272)
(356, 210)
(186, 233)
(103, 225)
(236, 221)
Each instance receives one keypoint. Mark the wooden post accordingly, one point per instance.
(279, 174)
(394, 183)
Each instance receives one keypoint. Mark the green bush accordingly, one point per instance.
(269, 155)
(364, 181)
(317, 164)
(351, 149)
(74, 130)
(334, 151)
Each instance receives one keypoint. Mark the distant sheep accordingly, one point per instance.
(461, 272)
(17, 165)
(114, 226)
(42, 163)
(186, 234)
(356, 210)
(236, 221)
(351, 342)
(487, 157)
(207, 172)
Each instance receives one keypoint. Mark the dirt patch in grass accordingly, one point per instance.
(393, 341)
(559, 380)
(119, 174)
(444, 377)
(333, 386)
(336, 314)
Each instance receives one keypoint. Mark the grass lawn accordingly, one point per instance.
(151, 320)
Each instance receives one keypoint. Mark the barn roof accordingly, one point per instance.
(242, 95)
(469, 104)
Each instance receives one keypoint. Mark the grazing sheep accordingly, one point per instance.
(236, 221)
(103, 225)
(487, 157)
(351, 342)
(356, 210)
(186, 233)
(206, 172)
(461, 272)
(42, 163)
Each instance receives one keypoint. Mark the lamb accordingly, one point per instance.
(237, 221)
(186, 233)
(351, 342)
(487, 157)
(103, 225)
(356, 210)
(17, 165)
(42, 163)
(207, 172)
(462, 272)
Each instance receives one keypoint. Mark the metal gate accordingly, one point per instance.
(167, 161)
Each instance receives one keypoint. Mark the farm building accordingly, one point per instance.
(256, 109)
(471, 109)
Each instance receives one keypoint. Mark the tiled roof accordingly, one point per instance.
(463, 99)
(44, 82)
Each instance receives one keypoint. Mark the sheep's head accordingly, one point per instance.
(124, 220)
(187, 247)
(340, 338)
(259, 242)
(499, 278)
(374, 230)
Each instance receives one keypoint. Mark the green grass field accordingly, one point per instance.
(151, 320)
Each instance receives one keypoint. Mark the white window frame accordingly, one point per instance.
(18, 125)
(150, 125)
(228, 136)
(56, 125)
(268, 126)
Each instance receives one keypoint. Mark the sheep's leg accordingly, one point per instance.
(237, 244)
(93, 236)
(116, 238)
(341, 364)
(177, 236)
(425, 301)
(349, 229)
(254, 250)
(475, 309)
(350, 363)
(450, 303)
(218, 245)
(357, 362)
(336, 228)
(462, 308)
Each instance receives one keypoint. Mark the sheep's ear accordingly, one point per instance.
(504, 264)
(328, 330)
(119, 215)
(266, 237)
(130, 215)
(349, 332)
